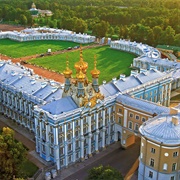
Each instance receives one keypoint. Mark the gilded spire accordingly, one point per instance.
(80, 75)
(95, 72)
(81, 64)
(67, 72)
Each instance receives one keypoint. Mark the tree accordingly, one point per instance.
(79, 25)
(100, 29)
(12, 155)
(23, 19)
(103, 173)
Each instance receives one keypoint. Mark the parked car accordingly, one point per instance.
(76, 47)
(41, 55)
(69, 48)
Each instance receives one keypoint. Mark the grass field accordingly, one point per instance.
(110, 62)
(28, 169)
(16, 49)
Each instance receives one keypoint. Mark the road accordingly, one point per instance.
(119, 159)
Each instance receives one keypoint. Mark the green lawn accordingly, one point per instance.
(110, 62)
(20, 49)
(28, 169)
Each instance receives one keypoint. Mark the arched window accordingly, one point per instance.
(165, 166)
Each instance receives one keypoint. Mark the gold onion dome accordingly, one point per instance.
(81, 64)
(67, 72)
(33, 5)
(95, 72)
(80, 75)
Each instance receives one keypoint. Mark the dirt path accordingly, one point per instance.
(7, 27)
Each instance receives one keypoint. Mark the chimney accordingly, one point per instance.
(175, 120)
(114, 80)
(143, 70)
(123, 77)
(173, 111)
(153, 67)
(134, 72)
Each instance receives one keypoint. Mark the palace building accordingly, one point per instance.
(44, 33)
(75, 120)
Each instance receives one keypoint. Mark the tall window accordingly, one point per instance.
(175, 154)
(173, 166)
(119, 120)
(130, 125)
(153, 150)
(152, 162)
(120, 110)
(150, 174)
(165, 166)
(136, 127)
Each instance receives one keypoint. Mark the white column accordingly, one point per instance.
(104, 129)
(89, 135)
(109, 125)
(56, 147)
(82, 140)
(73, 142)
(125, 118)
(97, 133)
(47, 142)
(40, 138)
(36, 133)
(65, 145)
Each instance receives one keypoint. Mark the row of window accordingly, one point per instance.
(165, 165)
(175, 154)
(130, 126)
(151, 176)
(131, 115)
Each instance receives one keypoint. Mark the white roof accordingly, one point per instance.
(162, 130)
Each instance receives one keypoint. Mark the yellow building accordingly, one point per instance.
(160, 146)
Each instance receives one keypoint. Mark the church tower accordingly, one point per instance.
(79, 88)
(95, 75)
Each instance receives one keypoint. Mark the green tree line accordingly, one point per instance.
(146, 21)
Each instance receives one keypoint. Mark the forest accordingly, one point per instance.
(151, 22)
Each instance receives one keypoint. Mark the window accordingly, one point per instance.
(131, 115)
(153, 150)
(52, 151)
(150, 174)
(77, 144)
(172, 178)
(173, 166)
(119, 120)
(175, 154)
(136, 127)
(137, 117)
(120, 110)
(165, 166)
(69, 147)
(141, 155)
(152, 162)
(130, 125)
(143, 119)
